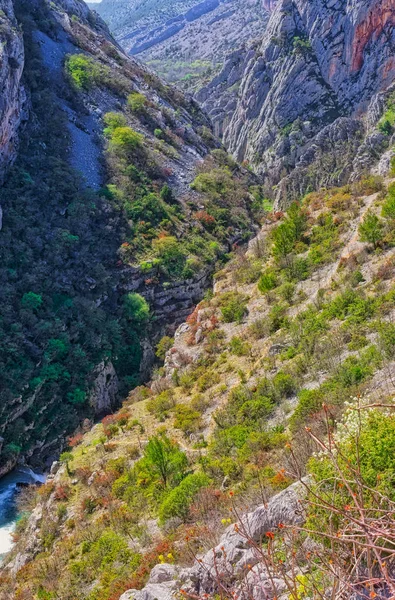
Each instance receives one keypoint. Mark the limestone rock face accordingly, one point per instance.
(74, 7)
(104, 394)
(12, 97)
(318, 62)
(232, 555)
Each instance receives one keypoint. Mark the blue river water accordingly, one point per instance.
(8, 505)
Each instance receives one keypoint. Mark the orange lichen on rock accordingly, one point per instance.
(380, 16)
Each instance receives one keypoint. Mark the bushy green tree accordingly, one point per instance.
(163, 346)
(113, 120)
(388, 209)
(31, 301)
(233, 307)
(171, 254)
(137, 102)
(66, 458)
(164, 460)
(82, 70)
(125, 140)
(364, 457)
(371, 229)
(178, 501)
(267, 281)
(136, 308)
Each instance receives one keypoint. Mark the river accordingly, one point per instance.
(8, 506)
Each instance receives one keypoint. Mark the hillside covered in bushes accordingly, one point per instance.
(282, 375)
(208, 380)
(114, 196)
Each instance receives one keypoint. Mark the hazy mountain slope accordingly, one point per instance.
(186, 42)
(98, 214)
(296, 99)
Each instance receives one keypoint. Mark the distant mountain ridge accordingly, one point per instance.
(185, 41)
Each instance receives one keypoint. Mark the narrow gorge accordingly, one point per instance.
(197, 339)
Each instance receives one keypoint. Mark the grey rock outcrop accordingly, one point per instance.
(13, 97)
(320, 65)
(104, 393)
(161, 585)
(74, 7)
(233, 557)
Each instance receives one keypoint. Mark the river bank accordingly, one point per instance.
(8, 502)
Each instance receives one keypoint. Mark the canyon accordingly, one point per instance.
(197, 339)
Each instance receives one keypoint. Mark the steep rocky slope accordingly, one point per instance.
(309, 94)
(185, 41)
(99, 216)
(298, 329)
(12, 95)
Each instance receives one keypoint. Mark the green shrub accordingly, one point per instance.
(214, 341)
(77, 396)
(371, 229)
(277, 317)
(249, 271)
(110, 548)
(31, 301)
(178, 501)
(136, 308)
(163, 462)
(238, 347)
(187, 419)
(289, 232)
(166, 194)
(163, 346)
(387, 122)
(233, 307)
(227, 440)
(113, 120)
(256, 409)
(284, 240)
(287, 291)
(83, 71)
(267, 281)
(207, 380)
(284, 384)
(387, 338)
(309, 402)
(137, 102)
(125, 140)
(324, 241)
(259, 328)
(351, 305)
(161, 404)
(171, 255)
(388, 209)
(364, 457)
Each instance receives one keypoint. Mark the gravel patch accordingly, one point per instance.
(84, 151)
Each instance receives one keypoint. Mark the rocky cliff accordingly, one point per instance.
(297, 98)
(12, 101)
